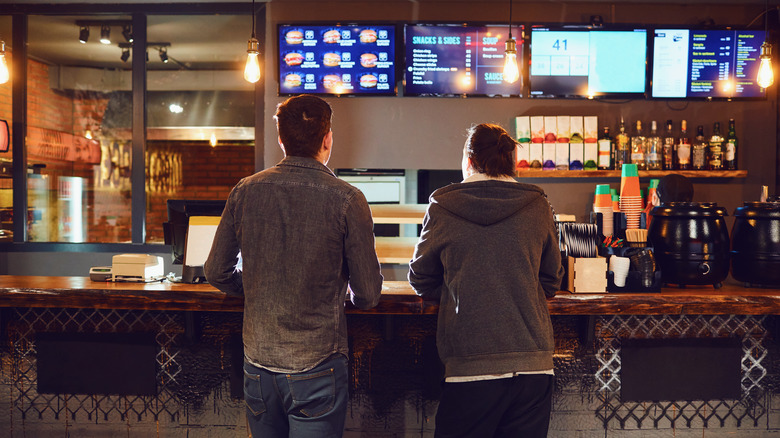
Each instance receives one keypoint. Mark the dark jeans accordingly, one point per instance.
(513, 407)
(305, 405)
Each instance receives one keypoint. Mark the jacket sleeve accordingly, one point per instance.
(426, 271)
(220, 266)
(365, 277)
(551, 269)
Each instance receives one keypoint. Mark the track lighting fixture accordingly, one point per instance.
(105, 34)
(252, 69)
(127, 33)
(83, 34)
(163, 55)
(125, 55)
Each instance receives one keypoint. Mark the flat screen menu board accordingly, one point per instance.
(448, 59)
(690, 63)
(570, 62)
(337, 59)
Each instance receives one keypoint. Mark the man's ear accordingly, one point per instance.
(327, 141)
(279, 139)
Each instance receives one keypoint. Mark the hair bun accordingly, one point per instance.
(506, 143)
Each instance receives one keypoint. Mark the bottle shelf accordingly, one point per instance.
(538, 173)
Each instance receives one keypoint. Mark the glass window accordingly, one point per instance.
(200, 111)
(6, 161)
(78, 132)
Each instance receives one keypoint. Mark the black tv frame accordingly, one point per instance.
(397, 43)
(518, 30)
(651, 65)
(622, 27)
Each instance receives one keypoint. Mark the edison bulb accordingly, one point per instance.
(766, 77)
(511, 72)
(252, 69)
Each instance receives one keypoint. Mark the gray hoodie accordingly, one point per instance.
(489, 252)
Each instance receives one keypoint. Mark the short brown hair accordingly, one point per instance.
(303, 121)
(491, 150)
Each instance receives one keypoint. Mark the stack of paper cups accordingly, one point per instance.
(603, 204)
(619, 267)
(630, 196)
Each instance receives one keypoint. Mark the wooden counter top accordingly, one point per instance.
(398, 298)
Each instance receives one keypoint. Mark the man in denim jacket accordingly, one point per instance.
(302, 235)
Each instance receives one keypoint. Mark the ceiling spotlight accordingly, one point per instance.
(127, 32)
(105, 34)
(125, 55)
(163, 55)
(83, 34)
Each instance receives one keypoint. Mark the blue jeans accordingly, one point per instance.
(312, 404)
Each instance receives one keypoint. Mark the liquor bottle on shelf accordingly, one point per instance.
(668, 146)
(684, 148)
(730, 154)
(622, 147)
(638, 147)
(699, 153)
(606, 147)
(715, 149)
(654, 149)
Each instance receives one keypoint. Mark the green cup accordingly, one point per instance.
(653, 184)
(629, 170)
(602, 189)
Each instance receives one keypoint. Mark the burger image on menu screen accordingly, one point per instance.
(331, 81)
(331, 59)
(368, 81)
(293, 37)
(293, 58)
(368, 60)
(331, 36)
(367, 36)
(292, 80)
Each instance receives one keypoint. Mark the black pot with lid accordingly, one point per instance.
(755, 243)
(691, 243)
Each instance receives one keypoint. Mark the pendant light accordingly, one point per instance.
(511, 72)
(5, 75)
(252, 69)
(766, 77)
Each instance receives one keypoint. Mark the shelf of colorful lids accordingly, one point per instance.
(539, 173)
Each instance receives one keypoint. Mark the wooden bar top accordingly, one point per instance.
(398, 298)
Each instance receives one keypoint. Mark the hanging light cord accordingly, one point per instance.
(510, 19)
(254, 13)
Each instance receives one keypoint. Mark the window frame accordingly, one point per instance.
(19, 29)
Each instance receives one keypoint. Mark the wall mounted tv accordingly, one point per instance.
(337, 59)
(691, 63)
(457, 60)
(573, 61)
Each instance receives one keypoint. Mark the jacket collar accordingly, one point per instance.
(306, 162)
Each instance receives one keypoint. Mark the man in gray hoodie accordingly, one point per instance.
(489, 252)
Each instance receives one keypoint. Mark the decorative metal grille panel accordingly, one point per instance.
(745, 412)
(20, 374)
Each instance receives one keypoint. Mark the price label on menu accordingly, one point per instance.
(337, 59)
(457, 60)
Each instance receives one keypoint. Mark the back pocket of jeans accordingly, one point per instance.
(313, 394)
(253, 395)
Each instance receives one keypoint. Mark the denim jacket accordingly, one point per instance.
(303, 235)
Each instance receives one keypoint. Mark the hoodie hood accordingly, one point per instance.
(486, 202)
